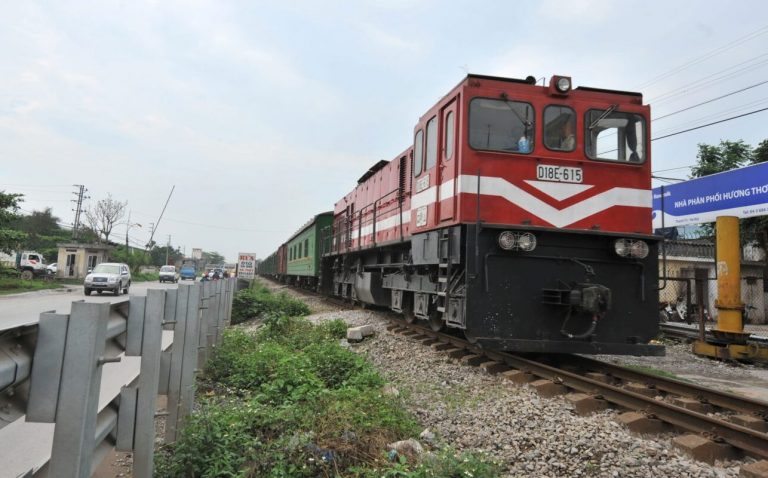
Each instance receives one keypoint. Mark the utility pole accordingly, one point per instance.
(127, 227)
(80, 193)
(167, 248)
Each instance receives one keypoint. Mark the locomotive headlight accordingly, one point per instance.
(526, 242)
(638, 249)
(621, 246)
(507, 240)
(563, 85)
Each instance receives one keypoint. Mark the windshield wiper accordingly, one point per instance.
(605, 114)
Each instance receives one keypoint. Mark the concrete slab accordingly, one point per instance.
(705, 450)
(494, 367)
(456, 353)
(518, 376)
(752, 422)
(693, 405)
(585, 404)
(600, 377)
(441, 346)
(642, 424)
(472, 359)
(548, 388)
(755, 470)
(641, 388)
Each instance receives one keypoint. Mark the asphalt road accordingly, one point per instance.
(25, 308)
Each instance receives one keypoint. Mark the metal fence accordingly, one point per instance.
(691, 281)
(75, 385)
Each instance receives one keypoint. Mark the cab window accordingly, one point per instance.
(501, 125)
(431, 144)
(559, 128)
(449, 132)
(418, 152)
(615, 136)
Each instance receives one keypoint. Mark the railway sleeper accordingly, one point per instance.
(704, 449)
(643, 424)
(585, 404)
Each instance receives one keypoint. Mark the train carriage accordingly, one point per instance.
(301, 252)
(521, 215)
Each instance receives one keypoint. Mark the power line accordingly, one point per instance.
(706, 56)
(711, 100)
(709, 124)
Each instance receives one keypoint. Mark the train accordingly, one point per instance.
(520, 217)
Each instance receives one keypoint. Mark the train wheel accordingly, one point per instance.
(470, 338)
(436, 322)
(408, 313)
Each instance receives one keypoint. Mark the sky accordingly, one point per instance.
(262, 114)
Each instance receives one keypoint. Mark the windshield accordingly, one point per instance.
(106, 269)
(501, 125)
(167, 269)
(615, 136)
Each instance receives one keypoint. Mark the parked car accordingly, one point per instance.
(110, 276)
(169, 274)
(53, 268)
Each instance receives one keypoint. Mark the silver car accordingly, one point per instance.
(169, 274)
(110, 276)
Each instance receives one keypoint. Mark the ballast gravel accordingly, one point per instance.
(471, 410)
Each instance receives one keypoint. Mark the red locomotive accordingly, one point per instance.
(521, 215)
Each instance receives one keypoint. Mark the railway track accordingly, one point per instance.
(661, 403)
(722, 417)
(691, 332)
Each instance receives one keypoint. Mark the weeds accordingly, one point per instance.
(289, 401)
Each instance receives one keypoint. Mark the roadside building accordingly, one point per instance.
(690, 260)
(76, 259)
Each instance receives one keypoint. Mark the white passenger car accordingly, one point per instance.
(108, 276)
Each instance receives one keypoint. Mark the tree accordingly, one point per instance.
(723, 157)
(10, 238)
(160, 253)
(213, 258)
(104, 215)
(760, 153)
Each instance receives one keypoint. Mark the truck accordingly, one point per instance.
(188, 269)
(28, 263)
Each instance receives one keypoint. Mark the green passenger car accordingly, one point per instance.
(303, 251)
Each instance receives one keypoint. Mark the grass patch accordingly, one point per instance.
(259, 302)
(145, 276)
(287, 400)
(14, 285)
(656, 372)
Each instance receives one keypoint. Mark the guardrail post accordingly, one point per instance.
(189, 365)
(202, 355)
(74, 434)
(177, 357)
(151, 348)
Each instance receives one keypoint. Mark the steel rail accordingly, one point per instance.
(751, 442)
(727, 400)
(686, 332)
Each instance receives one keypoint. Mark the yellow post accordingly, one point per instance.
(728, 302)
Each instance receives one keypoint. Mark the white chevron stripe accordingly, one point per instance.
(492, 186)
(557, 217)
(559, 191)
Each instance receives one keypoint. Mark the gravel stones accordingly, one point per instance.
(469, 409)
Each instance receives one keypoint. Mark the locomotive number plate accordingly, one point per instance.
(562, 174)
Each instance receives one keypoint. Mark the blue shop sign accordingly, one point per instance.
(740, 192)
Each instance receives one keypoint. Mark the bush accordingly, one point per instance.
(292, 402)
(259, 302)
